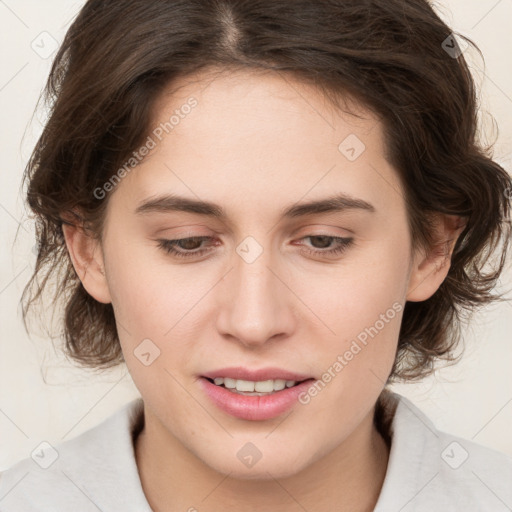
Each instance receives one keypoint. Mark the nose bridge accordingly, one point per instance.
(256, 308)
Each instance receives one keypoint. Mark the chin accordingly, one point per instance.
(266, 468)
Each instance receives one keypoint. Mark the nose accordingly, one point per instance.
(257, 305)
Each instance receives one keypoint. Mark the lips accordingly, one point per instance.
(254, 408)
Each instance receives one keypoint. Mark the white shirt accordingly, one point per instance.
(428, 470)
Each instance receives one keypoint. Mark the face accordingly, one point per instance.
(311, 294)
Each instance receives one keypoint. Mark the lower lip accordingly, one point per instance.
(254, 408)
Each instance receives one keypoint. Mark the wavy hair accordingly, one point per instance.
(397, 58)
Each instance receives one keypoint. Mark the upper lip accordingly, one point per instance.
(241, 373)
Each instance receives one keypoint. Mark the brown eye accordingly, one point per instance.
(189, 244)
(325, 241)
(184, 247)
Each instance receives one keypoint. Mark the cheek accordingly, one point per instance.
(353, 293)
(155, 306)
(358, 309)
(145, 296)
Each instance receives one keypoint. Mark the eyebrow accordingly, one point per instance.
(173, 203)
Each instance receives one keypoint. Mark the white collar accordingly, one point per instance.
(424, 470)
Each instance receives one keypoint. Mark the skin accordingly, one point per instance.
(255, 144)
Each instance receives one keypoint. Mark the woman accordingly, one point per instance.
(269, 210)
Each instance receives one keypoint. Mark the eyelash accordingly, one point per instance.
(169, 246)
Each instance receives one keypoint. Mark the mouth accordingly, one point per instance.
(254, 388)
(254, 395)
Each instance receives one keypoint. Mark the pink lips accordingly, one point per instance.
(254, 407)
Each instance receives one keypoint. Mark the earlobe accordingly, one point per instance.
(430, 268)
(87, 259)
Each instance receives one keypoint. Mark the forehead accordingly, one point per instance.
(233, 137)
(260, 103)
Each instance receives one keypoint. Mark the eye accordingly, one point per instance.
(192, 246)
(341, 244)
(187, 245)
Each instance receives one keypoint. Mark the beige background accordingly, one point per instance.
(43, 397)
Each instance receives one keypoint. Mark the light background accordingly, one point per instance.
(43, 397)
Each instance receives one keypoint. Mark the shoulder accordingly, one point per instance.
(96, 470)
(429, 467)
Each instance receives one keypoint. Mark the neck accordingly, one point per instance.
(349, 478)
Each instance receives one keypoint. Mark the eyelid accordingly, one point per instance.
(317, 229)
(341, 244)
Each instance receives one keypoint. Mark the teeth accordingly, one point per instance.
(279, 384)
(249, 386)
(245, 385)
(230, 383)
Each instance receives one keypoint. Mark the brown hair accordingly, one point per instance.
(395, 57)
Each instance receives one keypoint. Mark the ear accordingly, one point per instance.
(87, 258)
(430, 268)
